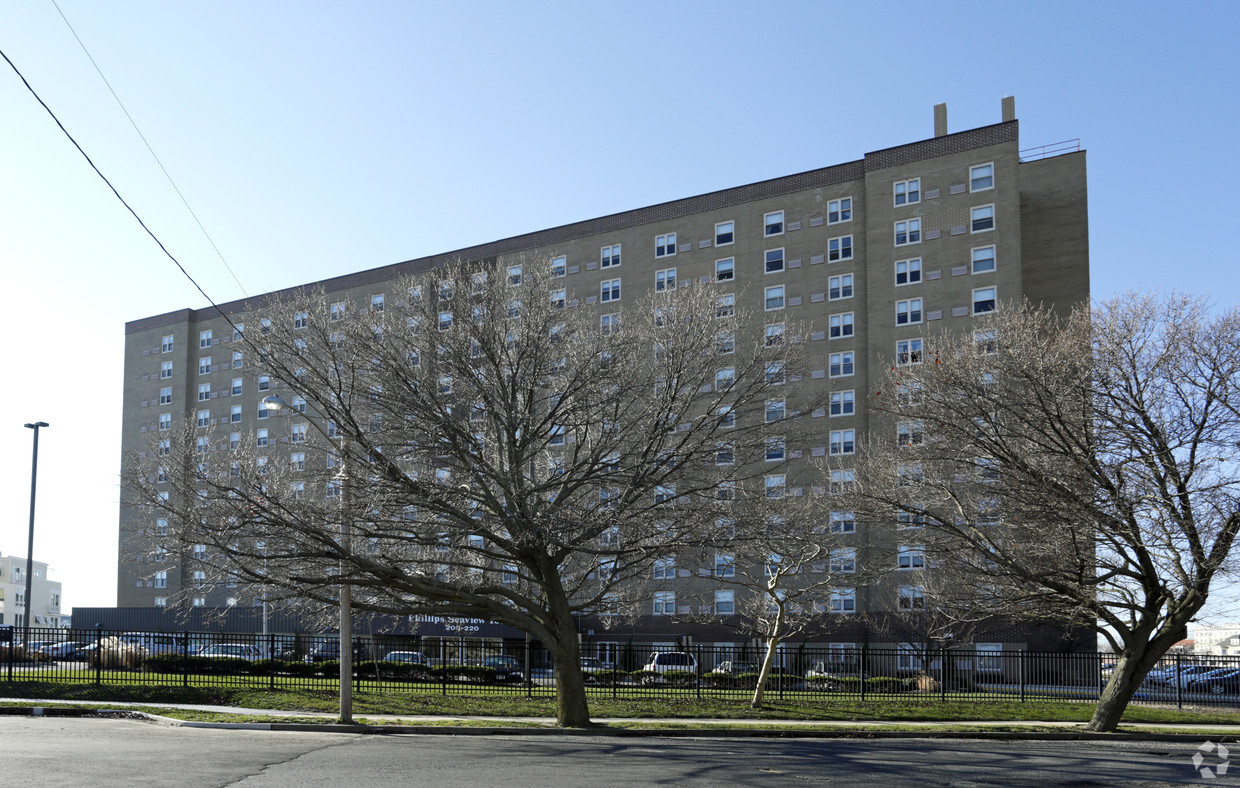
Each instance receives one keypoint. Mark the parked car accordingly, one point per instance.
(1217, 682)
(407, 657)
(506, 668)
(594, 665)
(737, 668)
(155, 643)
(329, 650)
(822, 676)
(235, 650)
(65, 650)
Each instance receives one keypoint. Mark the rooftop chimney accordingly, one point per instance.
(1009, 108)
(940, 120)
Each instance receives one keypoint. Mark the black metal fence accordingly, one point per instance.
(480, 667)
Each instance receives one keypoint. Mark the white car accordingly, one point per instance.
(664, 661)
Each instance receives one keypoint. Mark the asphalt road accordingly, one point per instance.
(51, 751)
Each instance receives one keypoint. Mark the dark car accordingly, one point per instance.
(506, 668)
(1218, 682)
(329, 650)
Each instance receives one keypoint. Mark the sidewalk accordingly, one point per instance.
(677, 726)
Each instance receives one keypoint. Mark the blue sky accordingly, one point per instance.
(313, 139)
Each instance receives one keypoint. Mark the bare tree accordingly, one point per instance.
(787, 568)
(478, 444)
(1081, 470)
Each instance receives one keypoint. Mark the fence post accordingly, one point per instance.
(443, 673)
(1179, 681)
(529, 673)
(185, 658)
(98, 655)
(943, 671)
(697, 670)
(1021, 673)
(865, 666)
(271, 650)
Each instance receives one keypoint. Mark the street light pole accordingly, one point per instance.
(34, 475)
(274, 402)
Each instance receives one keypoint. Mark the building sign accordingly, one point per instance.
(461, 627)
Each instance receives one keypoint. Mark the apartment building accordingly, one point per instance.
(870, 255)
(45, 593)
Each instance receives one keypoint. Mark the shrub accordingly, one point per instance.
(680, 678)
(472, 674)
(887, 685)
(717, 679)
(609, 678)
(645, 677)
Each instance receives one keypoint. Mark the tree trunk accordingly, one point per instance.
(572, 707)
(1130, 671)
(772, 644)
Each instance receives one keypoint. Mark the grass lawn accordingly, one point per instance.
(481, 701)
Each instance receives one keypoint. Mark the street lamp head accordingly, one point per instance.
(273, 402)
(37, 424)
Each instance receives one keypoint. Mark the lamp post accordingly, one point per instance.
(275, 403)
(34, 475)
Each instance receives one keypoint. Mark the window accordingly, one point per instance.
(164, 448)
(665, 280)
(840, 287)
(774, 297)
(726, 342)
(161, 579)
(235, 415)
(773, 562)
(983, 300)
(910, 521)
(908, 192)
(478, 283)
(559, 266)
(297, 461)
(264, 382)
(774, 334)
(842, 560)
(910, 557)
(986, 342)
(911, 598)
(162, 601)
(665, 603)
(839, 249)
(664, 493)
(609, 290)
(773, 223)
(910, 433)
(843, 403)
(234, 440)
(166, 345)
(237, 359)
(264, 325)
(724, 454)
(841, 364)
(723, 233)
(983, 218)
(204, 338)
(775, 484)
(263, 412)
(842, 442)
(725, 305)
(908, 312)
(301, 319)
(841, 325)
(726, 416)
(559, 298)
(983, 259)
(376, 302)
(843, 480)
(665, 245)
(298, 434)
(514, 275)
(724, 378)
(514, 309)
(981, 177)
(725, 270)
(908, 232)
(775, 373)
(338, 310)
(609, 256)
(775, 409)
(447, 290)
(204, 365)
(199, 601)
(775, 449)
(165, 370)
(165, 396)
(235, 389)
(609, 324)
(557, 436)
(204, 392)
(261, 437)
(908, 351)
(843, 601)
(665, 568)
(165, 421)
(725, 603)
(204, 418)
(774, 260)
(908, 272)
(839, 210)
(445, 321)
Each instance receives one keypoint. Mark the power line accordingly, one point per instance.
(121, 104)
(159, 243)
